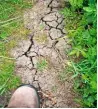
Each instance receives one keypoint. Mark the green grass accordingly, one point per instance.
(80, 19)
(42, 64)
(11, 31)
(12, 8)
(8, 80)
(11, 15)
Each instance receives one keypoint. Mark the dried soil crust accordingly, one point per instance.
(46, 41)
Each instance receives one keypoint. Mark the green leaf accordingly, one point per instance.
(3, 35)
(83, 53)
(72, 52)
(89, 9)
(78, 53)
(85, 78)
(75, 3)
(75, 75)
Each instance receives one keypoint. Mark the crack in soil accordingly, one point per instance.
(44, 46)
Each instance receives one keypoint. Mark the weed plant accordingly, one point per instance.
(81, 19)
(11, 30)
(42, 64)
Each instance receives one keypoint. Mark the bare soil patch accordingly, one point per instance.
(42, 57)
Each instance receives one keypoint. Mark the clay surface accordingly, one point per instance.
(41, 58)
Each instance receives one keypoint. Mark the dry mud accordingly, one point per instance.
(46, 42)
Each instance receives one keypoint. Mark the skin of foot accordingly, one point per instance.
(24, 97)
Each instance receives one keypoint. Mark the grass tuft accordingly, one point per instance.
(11, 31)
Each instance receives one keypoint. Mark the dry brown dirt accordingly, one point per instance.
(41, 57)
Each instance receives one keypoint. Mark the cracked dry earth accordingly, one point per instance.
(46, 41)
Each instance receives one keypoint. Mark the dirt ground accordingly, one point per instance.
(41, 57)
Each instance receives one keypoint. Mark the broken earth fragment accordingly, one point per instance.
(42, 57)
